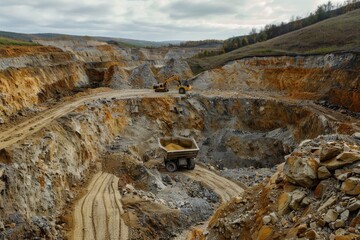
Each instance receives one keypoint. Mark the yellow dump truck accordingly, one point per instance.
(179, 152)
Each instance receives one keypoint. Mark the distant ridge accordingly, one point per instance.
(50, 36)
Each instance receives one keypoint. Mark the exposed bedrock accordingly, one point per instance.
(331, 77)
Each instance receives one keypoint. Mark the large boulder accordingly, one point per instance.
(284, 203)
(343, 159)
(329, 151)
(301, 170)
(351, 186)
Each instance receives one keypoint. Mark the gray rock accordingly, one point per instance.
(345, 215)
(354, 206)
(339, 209)
(323, 173)
(2, 121)
(185, 133)
(313, 225)
(331, 201)
(274, 218)
(301, 171)
(339, 223)
(296, 198)
(340, 232)
(356, 135)
(266, 219)
(348, 157)
(306, 201)
(344, 176)
(330, 216)
(345, 158)
(329, 151)
(351, 186)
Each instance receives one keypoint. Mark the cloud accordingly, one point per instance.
(194, 10)
(149, 19)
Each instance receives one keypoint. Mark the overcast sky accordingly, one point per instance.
(149, 19)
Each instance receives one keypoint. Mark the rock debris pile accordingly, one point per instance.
(315, 194)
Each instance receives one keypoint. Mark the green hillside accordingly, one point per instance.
(122, 42)
(12, 42)
(336, 34)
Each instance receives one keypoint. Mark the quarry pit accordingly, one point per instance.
(79, 155)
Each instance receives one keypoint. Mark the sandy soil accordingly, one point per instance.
(34, 124)
(225, 188)
(97, 215)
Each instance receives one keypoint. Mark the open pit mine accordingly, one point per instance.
(278, 140)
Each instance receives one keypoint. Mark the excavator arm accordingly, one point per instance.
(183, 88)
(172, 78)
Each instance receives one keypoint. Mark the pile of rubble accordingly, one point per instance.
(248, 176)
(315, 194)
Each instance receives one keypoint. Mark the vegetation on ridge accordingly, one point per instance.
(340, 33)
(12, 42)
(271, 31)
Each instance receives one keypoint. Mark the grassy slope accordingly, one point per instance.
(52, 36)
(340, 33)
(11, 42)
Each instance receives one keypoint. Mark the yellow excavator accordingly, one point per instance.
(182, 87)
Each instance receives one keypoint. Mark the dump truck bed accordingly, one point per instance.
(178, 147)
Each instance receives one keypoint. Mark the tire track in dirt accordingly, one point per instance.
(30, 126)
(223, 187)
(97, 215)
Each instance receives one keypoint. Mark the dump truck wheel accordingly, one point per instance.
(182, 90)
(171, 166)
(191, 164)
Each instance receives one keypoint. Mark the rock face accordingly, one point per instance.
(299, 77)
(142, 76)
(86, 50)
(176, 67)
(37, 73)
(117, 77)
(329, 211)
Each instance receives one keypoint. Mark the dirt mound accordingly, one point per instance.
(117, 77)
(173, 146)
(314, 195)
(142, 77)
(176, 67)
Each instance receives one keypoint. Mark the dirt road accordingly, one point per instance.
(97, 215)
(225, 188)
(32, 125)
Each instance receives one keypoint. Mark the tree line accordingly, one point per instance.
(324, 11)
(202, 43)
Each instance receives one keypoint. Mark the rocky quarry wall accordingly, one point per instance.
(313, 195)
(29, 76)
(331, 77)
(39, 174)
(32, 75)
